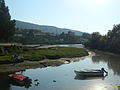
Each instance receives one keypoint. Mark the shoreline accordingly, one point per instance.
(105, 52)
(41, 64)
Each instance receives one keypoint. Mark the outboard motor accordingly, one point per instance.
(103, 70)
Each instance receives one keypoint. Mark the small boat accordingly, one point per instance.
(92, 72)
(19, 79)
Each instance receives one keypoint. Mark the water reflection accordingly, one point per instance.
(113, 61)
(4, 81)
(26, 85)
(78, 77)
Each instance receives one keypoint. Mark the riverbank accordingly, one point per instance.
(17, 55)
(40, 64)
(42, 57)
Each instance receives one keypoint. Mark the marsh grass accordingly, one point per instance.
(54, 53)
(33, 54)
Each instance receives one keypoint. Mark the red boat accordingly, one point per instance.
(19, 79)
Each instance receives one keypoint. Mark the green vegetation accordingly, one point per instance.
(109, 42)
(118, 87)
(53, 53)
(8, 58)
(29, 64)
(33, 54)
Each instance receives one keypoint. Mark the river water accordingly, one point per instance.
(58, 45)
(63, 77)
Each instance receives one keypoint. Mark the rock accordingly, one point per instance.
(68, 61)
(36, 80)
(54, 80)
(38, 83)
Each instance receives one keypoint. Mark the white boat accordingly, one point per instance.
(91, 72)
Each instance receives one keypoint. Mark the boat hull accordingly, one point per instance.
(18, 80)
(89, 73)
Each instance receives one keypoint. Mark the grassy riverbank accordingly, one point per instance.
(33, 54)
(43, 57)
(40, 64)
(53, 53)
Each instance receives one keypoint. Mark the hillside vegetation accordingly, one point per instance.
(32, 36)
(45, 28)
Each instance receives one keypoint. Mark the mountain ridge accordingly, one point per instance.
(45, 28)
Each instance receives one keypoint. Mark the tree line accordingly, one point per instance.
(109, 42)
(7, 26)
(32, 36)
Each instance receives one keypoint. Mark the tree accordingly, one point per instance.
(114, 39)
(7, 26)
(94, 41)
(109, 42)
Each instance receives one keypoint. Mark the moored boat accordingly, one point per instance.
(91, 72)
(20, 79)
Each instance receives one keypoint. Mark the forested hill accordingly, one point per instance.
(45, 28)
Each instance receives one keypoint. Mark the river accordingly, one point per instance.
(58, 45)
(63, 77)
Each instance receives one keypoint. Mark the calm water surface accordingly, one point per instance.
(66, 78)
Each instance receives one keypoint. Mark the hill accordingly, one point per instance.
(45, 28)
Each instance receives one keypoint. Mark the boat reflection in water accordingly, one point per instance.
(26, 85)
(81, 77)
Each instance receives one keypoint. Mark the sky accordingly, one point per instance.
(83, 15)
